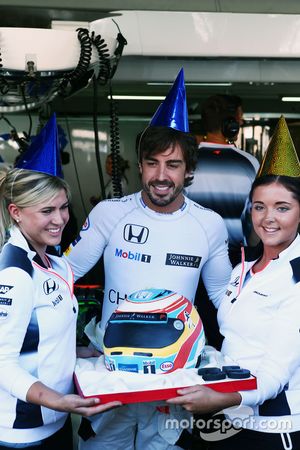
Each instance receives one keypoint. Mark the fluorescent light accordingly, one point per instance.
(68, 25)
(290, 99)
(88, 134)
(18, 108)
(154, 83)
(138, 97)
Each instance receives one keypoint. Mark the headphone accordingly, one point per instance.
(230, 127)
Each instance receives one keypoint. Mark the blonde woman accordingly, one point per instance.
(38, 313)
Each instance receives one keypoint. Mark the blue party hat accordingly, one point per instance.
(43, 154)
(173, 111)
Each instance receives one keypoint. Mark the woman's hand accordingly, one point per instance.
(202, 400)
(84, 406)
(40, 394)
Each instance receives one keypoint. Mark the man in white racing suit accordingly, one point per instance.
(154, 238)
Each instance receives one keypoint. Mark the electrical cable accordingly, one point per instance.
(2, 116)
(118, 51)
(75, 167)
(85, 55)
(106, 72)
(96, 135)
(115, 147)
(80, 76)
(27, 111)
(103, 55)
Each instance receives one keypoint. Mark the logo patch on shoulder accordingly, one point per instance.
(86, 225)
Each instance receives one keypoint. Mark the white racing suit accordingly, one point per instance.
(145, 249)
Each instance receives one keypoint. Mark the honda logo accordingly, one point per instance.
(50, 286)
(135, 233)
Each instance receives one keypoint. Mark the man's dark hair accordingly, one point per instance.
(234, 102)
(218, 108)
(156, 140)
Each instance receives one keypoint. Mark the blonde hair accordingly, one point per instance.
(25, 188)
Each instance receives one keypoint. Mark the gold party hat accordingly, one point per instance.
(281, 157)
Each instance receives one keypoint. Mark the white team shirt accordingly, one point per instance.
(260, 322)
(146, 249)
(38, 313)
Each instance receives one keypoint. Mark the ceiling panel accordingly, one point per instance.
(261, 83)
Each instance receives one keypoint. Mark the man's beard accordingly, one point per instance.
(163, 200)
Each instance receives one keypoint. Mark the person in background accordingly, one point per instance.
(122, 166)
(260, 314)
(235, 107)
(158, 238)
(235, 112)
(222, 182)
(224, 173)
(38, 310)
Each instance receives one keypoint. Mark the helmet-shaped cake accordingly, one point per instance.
(153, 331)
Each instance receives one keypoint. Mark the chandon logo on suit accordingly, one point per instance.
(50, 286)
(135, 233)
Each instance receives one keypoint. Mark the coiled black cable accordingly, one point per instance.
(96, 136)
(81, 74)
(85, 54)
(106, 72)
(104, 58)
(115, 147)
